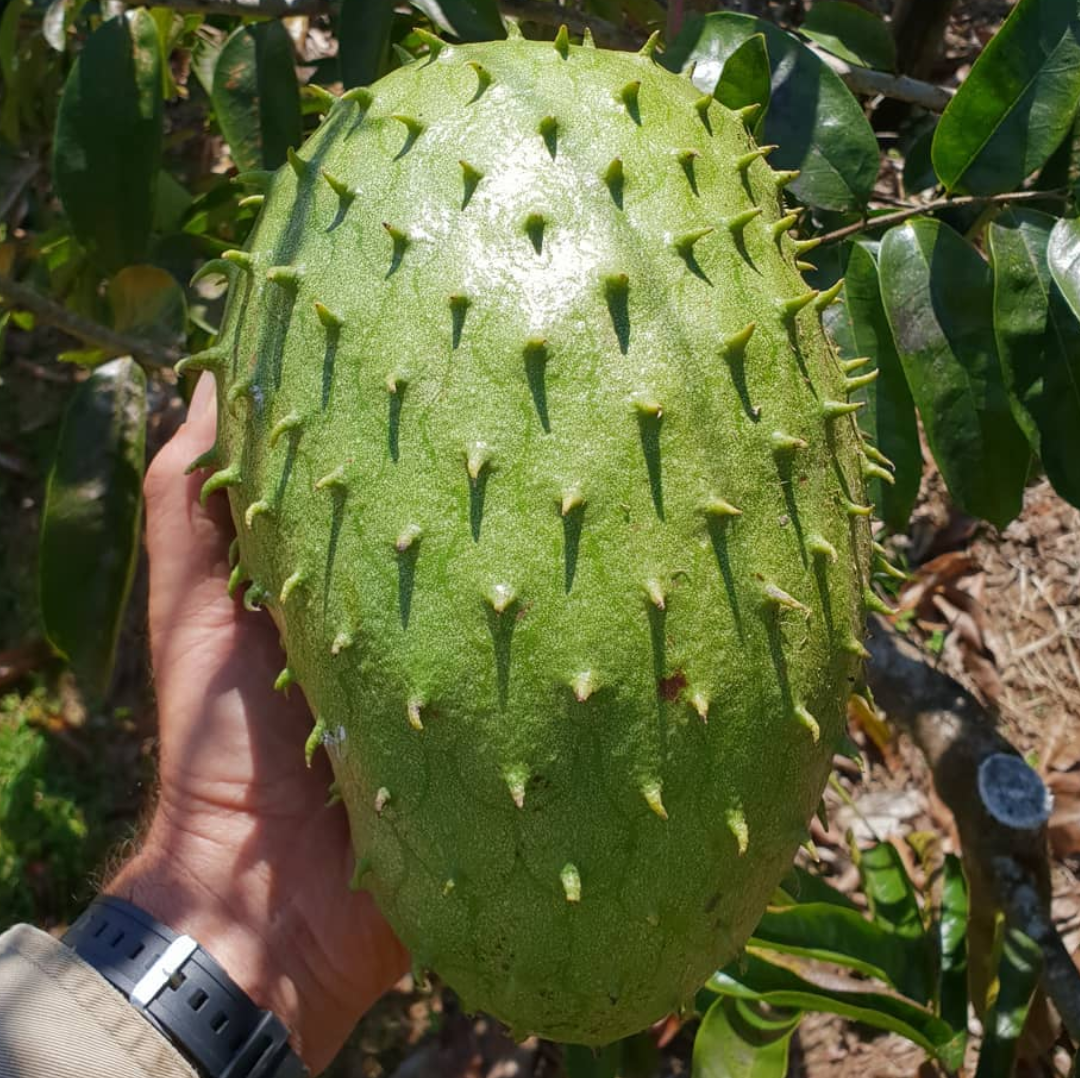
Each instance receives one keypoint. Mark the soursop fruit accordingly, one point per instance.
(541, 462)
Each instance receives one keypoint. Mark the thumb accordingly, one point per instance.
(187, 543)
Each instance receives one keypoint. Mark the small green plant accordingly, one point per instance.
(54, 813)
(43, 828)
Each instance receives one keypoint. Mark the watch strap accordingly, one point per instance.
(183, 991)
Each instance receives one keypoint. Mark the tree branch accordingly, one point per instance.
(49, 311)
(1001, 819)
(860, 80)
(888, 220)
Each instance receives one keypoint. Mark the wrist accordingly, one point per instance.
(247, 920)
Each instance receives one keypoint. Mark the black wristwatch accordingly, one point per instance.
(183, 992)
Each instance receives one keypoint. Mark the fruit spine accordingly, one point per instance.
(541, 462)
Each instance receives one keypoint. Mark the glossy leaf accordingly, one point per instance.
(148, 302)
(894, 905)
(817, 124)
(793, 983)
(1017, 979)
(735, 1039)
(919, 172)
(745, 78)
(363, 34)
(938, 296)
(91, 520)
(1016, 105)
(107, 147)
(256, 96)
(1063, 257)
(860, 327)
(1038, 339)
(952, 993)
(852, 33)
(839, 935)
(1062, 168)
(469, 20)
(890, 894)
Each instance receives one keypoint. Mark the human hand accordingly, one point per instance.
(242, 852)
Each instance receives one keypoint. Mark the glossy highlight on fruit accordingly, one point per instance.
(541, 461)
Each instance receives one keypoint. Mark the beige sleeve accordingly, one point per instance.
(59, 1017)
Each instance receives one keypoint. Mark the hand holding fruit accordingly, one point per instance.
(242, 853)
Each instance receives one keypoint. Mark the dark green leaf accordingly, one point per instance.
(1039, 340)
(818, 125)
(852, 33)
(919, 172)
(938, 296)
(890, 894)
(1062, 167)
(148, 303)
(1017, 103)
(789, 982)
(829, 263)
(1017, 978)
(256, 96)
(107, 148)
(734, 1039)
(173, 202)
(91, 520)
(838, 935)
(745, 78)
(860, 327)
(808, 888)
(469, 20)
(363, 33)
(952, 936)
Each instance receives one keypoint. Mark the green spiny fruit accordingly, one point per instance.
(541, 462)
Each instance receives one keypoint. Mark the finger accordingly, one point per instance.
(201, 419)
(187, 543)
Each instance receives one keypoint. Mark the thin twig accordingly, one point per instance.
(49, 311)
(860, 80)
(883, 221)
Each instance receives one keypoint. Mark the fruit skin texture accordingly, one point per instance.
(569, 563)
